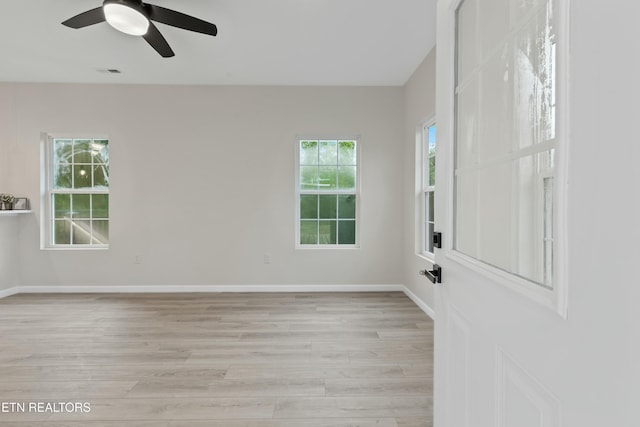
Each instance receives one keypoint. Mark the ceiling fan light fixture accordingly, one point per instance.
(134, 17)
(126, 18)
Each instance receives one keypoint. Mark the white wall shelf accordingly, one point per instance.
(13, 212)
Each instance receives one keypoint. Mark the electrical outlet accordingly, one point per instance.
(267, 259)
(137, 259)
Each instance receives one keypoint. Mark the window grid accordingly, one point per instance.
(327, 193)
(78, 193)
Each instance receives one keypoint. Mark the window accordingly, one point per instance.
(327, 193)
(505, 143)
(76, 208)
(428, 186)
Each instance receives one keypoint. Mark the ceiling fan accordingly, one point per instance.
(134, 17)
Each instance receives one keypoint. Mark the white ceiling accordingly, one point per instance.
(259, 42)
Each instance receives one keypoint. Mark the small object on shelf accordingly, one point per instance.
(21, 204)
(6, 202)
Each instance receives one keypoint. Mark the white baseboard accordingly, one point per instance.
(202, 288)
(8, 292)
(428, 310)
(216, 289)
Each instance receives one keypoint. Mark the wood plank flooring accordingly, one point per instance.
(221, 360)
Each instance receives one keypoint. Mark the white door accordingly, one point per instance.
(537, 315)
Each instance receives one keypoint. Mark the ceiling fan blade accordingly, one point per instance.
(158, 42)
(180, 20)
(90, 17)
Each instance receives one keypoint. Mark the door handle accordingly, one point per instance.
(435, 275)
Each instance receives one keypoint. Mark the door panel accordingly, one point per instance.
(520, 399)
(491, 207)
(508, 352)
(459, 369)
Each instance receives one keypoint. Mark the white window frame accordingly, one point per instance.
(426, 189)
(47, 192)
(299, 192)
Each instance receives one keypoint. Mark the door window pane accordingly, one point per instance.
(505, 136)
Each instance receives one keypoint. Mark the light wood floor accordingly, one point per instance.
(221, 360)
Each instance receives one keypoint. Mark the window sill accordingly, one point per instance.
(75, 248)
(327, 247)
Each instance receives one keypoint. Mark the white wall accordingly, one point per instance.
(420, 105)
(603, 211)
(8, 225)
(8, 259)
(202, 182)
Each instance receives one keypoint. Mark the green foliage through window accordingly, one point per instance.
(79, 190)
(327, 192)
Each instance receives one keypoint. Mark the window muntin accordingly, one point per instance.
(327, 193)
(78, 192)
(505, 101)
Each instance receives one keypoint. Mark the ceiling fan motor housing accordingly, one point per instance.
(134, 4)
(127, 16)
